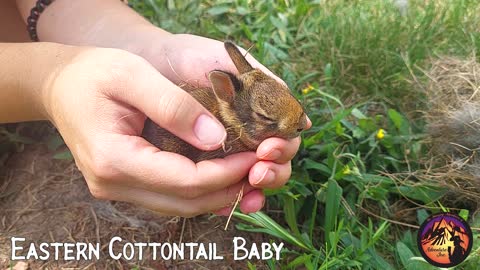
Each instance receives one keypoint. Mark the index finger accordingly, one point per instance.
(278, 150)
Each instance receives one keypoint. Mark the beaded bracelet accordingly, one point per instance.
(35, 12)
(33, 18)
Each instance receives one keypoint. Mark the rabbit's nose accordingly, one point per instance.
(304, 123)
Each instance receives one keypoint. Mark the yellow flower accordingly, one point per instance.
(380, 134)
(346, 170)
(307, 89)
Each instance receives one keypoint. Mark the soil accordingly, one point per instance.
(47, 200)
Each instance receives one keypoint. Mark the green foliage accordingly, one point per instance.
(56, 144)
(337, 172)
(369, 47)
(409, 261)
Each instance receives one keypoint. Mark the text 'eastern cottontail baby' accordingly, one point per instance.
(251, 106)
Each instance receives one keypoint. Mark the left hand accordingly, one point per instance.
(184, 58)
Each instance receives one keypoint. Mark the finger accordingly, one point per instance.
(278, 150)
(309, 123)
(224, 198)
(225, 211)
(252, 202)
(172, 108)
(166, 204)
(267, 174)
(167, 172)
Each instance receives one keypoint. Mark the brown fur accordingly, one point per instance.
(251, 106)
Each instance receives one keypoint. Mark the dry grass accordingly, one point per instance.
(453, 123)
(47, 200)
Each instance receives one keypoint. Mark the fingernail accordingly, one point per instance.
(266, 178)
(309, 123)
(208, 131)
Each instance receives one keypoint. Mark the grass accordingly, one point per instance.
(358, 67)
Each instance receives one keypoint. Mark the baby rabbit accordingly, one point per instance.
(251, 106)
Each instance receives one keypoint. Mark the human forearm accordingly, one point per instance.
(25, 73)
(101, 23)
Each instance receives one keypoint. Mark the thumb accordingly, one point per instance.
(173, 109)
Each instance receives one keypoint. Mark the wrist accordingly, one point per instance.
(144, 40)
(57, 57)
(26, 78)
(99, 23)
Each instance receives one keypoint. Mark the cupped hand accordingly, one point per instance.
(184, 58)
(99, 100)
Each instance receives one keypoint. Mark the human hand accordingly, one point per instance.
(184, 58)
(99, 100)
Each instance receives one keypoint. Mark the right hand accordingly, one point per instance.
(99, 101)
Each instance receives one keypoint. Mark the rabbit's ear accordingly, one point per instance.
(224, 85)
(237, 57)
